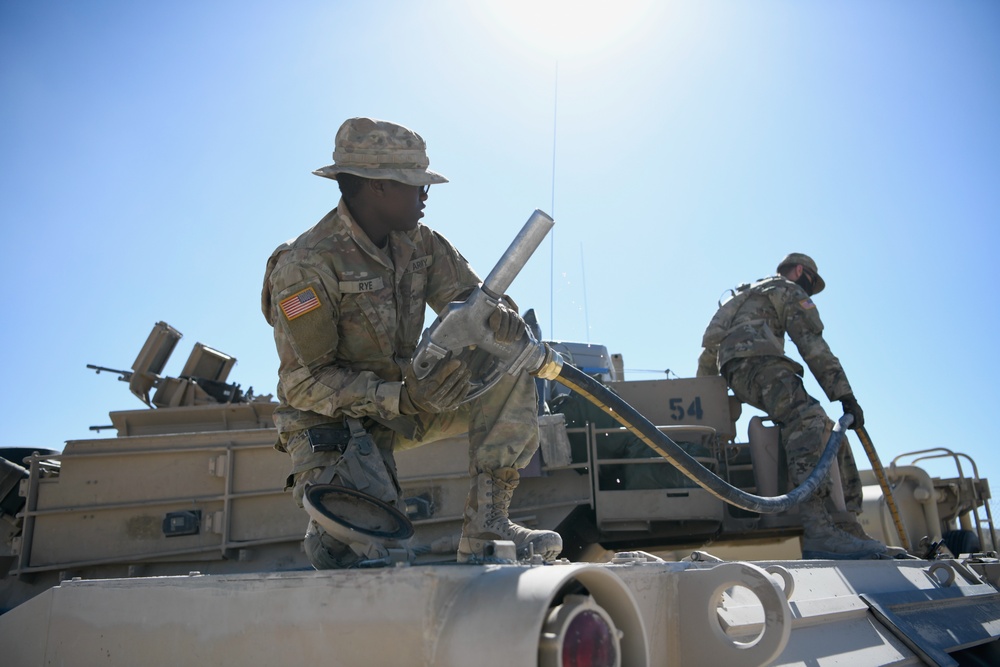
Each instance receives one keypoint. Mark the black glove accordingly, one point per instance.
(506, 324)
(442, 390)
(852, 408)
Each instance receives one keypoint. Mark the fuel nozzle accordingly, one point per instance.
(462, 327)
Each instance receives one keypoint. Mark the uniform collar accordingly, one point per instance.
(400, 248)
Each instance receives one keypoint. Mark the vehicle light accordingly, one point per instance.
(579, 633)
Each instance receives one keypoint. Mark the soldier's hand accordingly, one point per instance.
(852, 408)
(442, 390)
(506, 324)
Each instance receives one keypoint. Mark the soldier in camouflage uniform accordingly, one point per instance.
(745, 343)
(347, 300)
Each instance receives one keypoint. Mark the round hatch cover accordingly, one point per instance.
(352, 516)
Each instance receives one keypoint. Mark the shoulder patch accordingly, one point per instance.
(807, 304)
(299, 303)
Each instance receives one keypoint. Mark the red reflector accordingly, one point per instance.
(588, 642)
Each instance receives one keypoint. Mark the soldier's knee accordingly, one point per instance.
(300, 480)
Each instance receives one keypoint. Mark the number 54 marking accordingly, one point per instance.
(677, 410)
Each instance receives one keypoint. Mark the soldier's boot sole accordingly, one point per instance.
(854, 528)
(545, 543)
(835, 544)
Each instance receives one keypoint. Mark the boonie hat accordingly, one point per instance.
(793, 258)
(373, 148)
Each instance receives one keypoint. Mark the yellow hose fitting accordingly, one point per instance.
(551, 367)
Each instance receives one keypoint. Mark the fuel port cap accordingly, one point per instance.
(354, 517)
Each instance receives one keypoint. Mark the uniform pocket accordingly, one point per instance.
(364, 332)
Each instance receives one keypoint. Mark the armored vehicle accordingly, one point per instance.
(175, 543)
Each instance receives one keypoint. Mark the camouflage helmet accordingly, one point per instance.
(379, 149)
(795, 258)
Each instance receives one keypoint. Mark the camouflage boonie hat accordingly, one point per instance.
(793, 258)
(379, 149)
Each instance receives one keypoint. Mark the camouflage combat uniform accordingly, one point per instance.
(347, 317)
(347, 301)
(745, 343)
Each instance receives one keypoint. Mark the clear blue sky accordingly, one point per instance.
(153, 154)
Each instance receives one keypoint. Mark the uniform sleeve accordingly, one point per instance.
(806, 330)
(708, 362)
(304, 303)
(450, 276)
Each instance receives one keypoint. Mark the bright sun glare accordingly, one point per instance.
(564, 28)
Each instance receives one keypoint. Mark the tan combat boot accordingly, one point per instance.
(822, 539)
(853, 527)
(326, 553)
(486, 519)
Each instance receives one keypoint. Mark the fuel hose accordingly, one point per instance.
(462, 325)
(627, 416)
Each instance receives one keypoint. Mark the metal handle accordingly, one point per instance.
(518, 254)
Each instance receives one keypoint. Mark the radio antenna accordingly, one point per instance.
(586, 310)
(552, 208)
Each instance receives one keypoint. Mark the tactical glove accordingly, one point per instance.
(506, 324)
(852, 408)
(442, 390)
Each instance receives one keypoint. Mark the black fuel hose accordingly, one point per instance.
(627, 416)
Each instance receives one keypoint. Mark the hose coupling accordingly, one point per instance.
(551, 365)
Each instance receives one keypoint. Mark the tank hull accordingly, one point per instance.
(667, 613)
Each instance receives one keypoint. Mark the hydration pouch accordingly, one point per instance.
(361, 466)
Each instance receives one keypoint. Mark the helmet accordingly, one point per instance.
(794, 258)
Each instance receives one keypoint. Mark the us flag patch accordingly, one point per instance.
(807, 304)
(299, 303)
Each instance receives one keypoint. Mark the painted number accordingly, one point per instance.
(677, 410)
